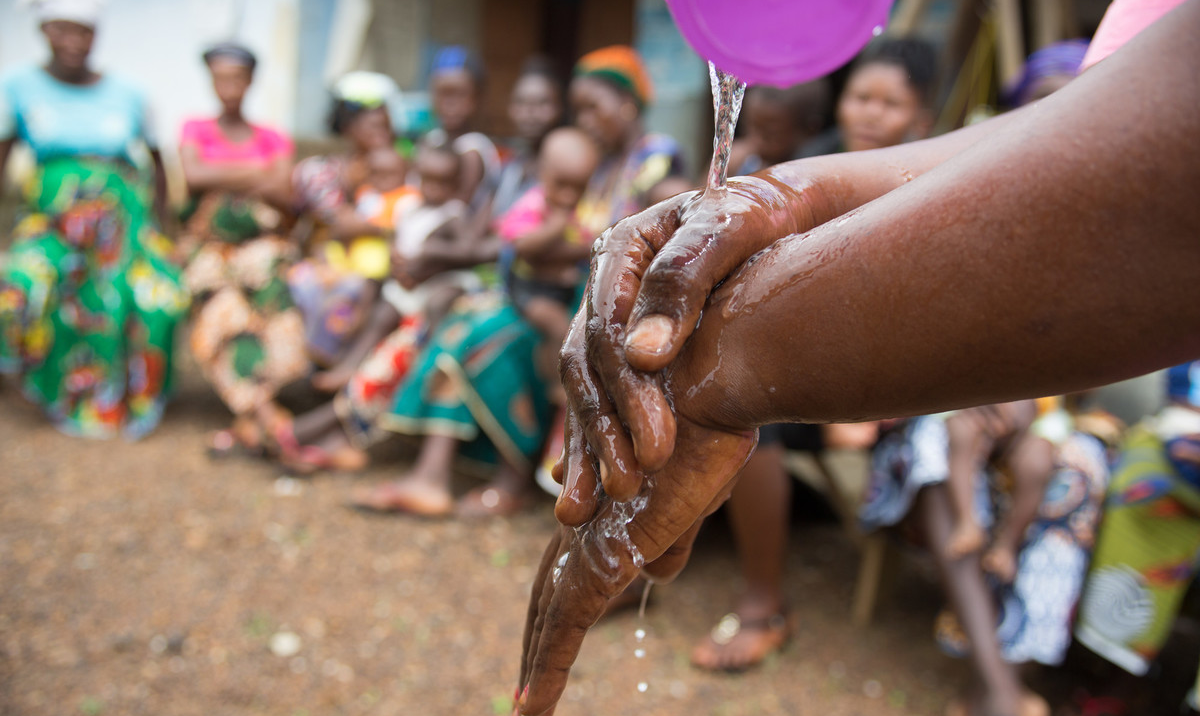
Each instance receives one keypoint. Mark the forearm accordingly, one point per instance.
(161, 201)
(961, 288)
(817, 189)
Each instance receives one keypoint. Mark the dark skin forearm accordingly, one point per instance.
(1060, 253)
(162, 209)
(1037, 263)
(6, 146)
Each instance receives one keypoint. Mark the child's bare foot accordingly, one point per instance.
(412, 496)
(967, 538)
(741, 641)
(1000, 562)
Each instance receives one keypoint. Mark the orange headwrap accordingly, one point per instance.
(622, 66)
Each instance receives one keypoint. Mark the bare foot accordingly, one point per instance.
(1027, 704)
(967, 538)
(1000, 562)
(412, 496)
(740, 642)
(491, 501)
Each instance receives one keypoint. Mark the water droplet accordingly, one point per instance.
(642, 686)
(639, 653)
(640, 634)
(877, 31)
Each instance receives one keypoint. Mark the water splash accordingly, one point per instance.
(727, 93)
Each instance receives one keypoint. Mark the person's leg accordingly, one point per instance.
(310, 427)
(425, 490)
(552, 321)
(968, 449)
(971, 600)
(1031, 463)
(508, 492)
(758, 510)
(381, 319)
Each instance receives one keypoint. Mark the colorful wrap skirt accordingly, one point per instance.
(89, 301)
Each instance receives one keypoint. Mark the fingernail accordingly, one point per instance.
(650, 335)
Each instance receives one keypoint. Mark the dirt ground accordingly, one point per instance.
(143, 578)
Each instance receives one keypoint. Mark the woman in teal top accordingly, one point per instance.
(88, 298)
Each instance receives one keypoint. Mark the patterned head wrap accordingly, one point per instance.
(83, 12)
(1061, 58)
(621, 66)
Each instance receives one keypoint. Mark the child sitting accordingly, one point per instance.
(543, 264)
(1021, 443)
(429, 222)
(378, 202)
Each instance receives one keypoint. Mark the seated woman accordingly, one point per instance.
(1145, 558)
(475, 388)
(336, 434)
(89, 298)
(338, 298)
(247, 336)
(1025, 614)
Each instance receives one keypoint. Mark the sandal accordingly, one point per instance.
(771, 633)
(490, 502)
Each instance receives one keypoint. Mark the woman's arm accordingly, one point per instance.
(1061, 254)
(6, 146)
(162, 209)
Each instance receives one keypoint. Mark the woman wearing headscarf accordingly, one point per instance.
(475, 389)
(336, 300)
(247, 336)
(88, 297)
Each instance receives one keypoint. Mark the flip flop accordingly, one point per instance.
(774, 633)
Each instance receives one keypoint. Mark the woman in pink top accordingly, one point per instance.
(247, 336)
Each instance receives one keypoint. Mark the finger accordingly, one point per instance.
(672, 561)
(639, 401)
(602, 428)
(578, 499)
(718, 233)
(541, 586)
(579, 601)
(620, 258)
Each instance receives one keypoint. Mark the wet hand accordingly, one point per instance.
(651, 275)
(652, 534)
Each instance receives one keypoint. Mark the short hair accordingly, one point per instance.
(231, 51)
(442, 148)
(915, 56)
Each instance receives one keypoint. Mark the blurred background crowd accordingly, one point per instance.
(386, 208)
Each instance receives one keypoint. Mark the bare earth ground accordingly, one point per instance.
(142, 578)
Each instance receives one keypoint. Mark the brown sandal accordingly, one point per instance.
(773, 632)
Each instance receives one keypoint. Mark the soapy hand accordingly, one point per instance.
(651, 275)
(652, 534)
